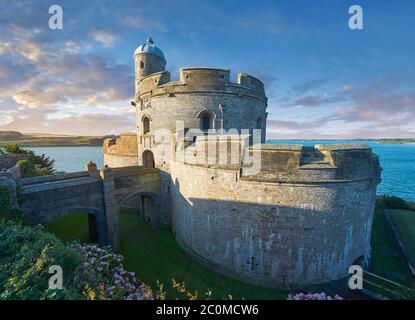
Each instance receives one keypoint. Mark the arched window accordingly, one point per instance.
(146, 125)
(207, 120)
(141, 65)
(148, 159)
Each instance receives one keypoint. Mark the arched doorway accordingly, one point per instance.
(146, 205)
(93, 228)
(147, 209)
(86, 225)
(148, 159)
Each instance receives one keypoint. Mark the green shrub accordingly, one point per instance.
(89, 272)
(4, 200)
(35, 165)
(27, 168)
(25, 257)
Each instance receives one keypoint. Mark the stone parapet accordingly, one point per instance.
(198, 80)
(121, 151)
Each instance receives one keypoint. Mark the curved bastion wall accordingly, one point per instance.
(121, 151)
(304, 219)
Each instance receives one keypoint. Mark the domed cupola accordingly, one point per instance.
(148, 59)
(149, 48)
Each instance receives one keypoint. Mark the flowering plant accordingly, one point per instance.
(313, 296)
(102, 276)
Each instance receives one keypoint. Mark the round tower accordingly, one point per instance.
(148, 59)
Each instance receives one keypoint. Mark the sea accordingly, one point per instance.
(397, 162)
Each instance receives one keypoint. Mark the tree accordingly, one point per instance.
(35, 165)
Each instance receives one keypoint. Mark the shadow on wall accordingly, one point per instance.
(270, 245)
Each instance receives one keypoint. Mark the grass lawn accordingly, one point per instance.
(71, 227)
(154, 255)
(405, 222)
(385, 259)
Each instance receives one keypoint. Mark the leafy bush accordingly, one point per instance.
(89, 272)
(393, 202)
(35, 165)
(4, 200)
(25, 257)
(14, 149)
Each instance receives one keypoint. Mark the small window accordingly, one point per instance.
(207, 120)
(141, 65)
(146, 125)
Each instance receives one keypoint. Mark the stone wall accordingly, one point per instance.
(277, 230)
(121, 151)
(100, 193)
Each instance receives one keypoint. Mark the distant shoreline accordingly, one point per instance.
(50, 140)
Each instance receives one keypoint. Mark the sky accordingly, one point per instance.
(323, 80)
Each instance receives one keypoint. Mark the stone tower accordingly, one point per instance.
(148, 59)
(202, 98)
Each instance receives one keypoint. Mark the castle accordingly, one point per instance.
(271, 215)
(303, 218)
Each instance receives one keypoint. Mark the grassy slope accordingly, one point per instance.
(385, 254)
(405, 222)
(155, 255)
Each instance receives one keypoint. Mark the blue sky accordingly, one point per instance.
(323, 80)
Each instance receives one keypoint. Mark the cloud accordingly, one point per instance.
(106, 38)
(147, 25)
(35, 120)
(309, 85)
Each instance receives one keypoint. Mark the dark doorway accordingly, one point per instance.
(148, 159)
(206, 122)
(147, 208)
(93, 228)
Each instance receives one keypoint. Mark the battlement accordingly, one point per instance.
(285, 162)
(197, 79)
(121, 151)
(318, 163)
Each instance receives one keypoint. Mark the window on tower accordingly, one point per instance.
(146, 125)
(141, 65)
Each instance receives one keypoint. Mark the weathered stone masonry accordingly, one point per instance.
(302, 219)
(99, 193)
